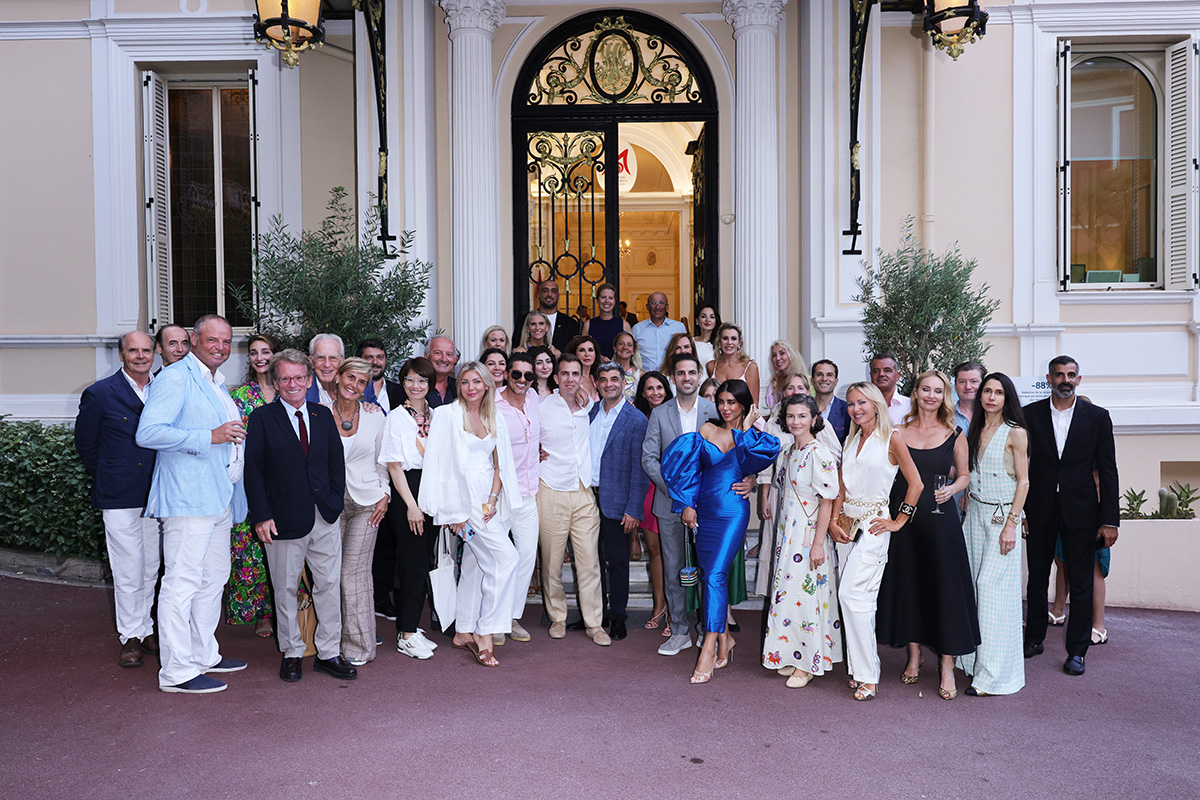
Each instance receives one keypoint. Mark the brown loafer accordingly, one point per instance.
(150, 644)
(131, 654)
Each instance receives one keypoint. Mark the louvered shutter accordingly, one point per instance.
(1182, 170)
(155, 146)
(1063, 164)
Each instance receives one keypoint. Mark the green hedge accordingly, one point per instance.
(45, 493)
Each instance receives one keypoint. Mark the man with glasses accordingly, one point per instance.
(655, 333)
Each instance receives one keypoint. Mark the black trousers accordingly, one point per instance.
(1079, 556)
(412, 559)
(614, 567)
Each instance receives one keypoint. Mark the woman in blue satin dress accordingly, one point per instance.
(699, 470)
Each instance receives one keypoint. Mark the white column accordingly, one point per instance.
(756, 261)
(418, 115)
(474, 167)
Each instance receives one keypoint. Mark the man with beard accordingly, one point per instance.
(1069, 440)
(384, 393)
(832, 407)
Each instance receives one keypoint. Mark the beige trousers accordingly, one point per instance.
(563, 515)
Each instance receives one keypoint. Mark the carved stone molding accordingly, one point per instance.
(746, 13)
(483, 15)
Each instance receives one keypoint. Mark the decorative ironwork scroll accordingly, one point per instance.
(860, 18)
(563, 170)
(614, 64)
(373, 16)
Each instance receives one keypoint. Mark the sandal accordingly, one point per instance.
(946, 694)
(1056, 621)
(655, 620)
(863, 693)
(667, 630)
(265, 629)
(909, 680)
(1099, 636)
(485, 657)
(722, 663)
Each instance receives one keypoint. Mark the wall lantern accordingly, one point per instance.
(951, 24)
(290, 26)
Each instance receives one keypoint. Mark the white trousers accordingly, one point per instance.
(322, 550)
(524, 529)
(862, 564)
(487, 582)
(134, 553)
(196, 560)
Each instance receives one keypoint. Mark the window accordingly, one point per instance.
(1127, 175)
(201, 205)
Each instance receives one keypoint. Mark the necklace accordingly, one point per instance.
(347, 424)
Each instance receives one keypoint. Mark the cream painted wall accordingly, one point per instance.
(173, 6)
(327, 126)
(1132, 312)
(45, 9)
(25, 371)
(900, 85)
(47, 240)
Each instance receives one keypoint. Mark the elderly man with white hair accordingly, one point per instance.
(326, 352)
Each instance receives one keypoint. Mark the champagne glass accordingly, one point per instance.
(939, 483)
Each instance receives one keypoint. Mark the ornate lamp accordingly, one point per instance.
(954, 23)
(290, 26)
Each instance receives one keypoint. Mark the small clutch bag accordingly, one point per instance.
(689, 575)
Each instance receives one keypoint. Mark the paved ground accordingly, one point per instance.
(567, 719)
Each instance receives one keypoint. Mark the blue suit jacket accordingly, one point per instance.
(109, 411)
(281, 483)
(839, 418)
(623, 482)
(191, 477)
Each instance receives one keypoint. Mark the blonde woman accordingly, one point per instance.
(873, 453)
(731, 362)
(470, 485)
(786, 363)
(494, 338)
(626, 353)
(927, 596)
(535, 332)
(366, 501)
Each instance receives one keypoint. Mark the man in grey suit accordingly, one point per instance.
(685, 414)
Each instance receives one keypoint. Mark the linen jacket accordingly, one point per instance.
(623, 482)
(445, 494)
(105, 430)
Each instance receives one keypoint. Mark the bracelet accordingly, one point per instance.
(908, 508)
(1015, 518)
(493, 494)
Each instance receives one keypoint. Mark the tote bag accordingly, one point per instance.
(441, 578)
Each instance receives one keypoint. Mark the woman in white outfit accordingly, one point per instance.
(367, 496)
(872, 454)
(470, 485)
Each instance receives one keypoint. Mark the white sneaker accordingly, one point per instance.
(432, 645)
(413, 646)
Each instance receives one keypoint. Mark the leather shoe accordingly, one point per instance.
(150, 644)
(1032, 650)
(337, 666)
(577, 625)
(1073, 665)
(131, 654)
(289, 670)
(618, 630)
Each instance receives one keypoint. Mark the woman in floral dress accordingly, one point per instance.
(248, 593)
(804, 636)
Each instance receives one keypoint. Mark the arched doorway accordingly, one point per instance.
(625, 94)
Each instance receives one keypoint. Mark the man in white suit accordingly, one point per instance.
(196, 491)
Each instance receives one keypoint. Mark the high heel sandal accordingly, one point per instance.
(722, 663)
(909, 680)
(861, 692)
(702, 677)
(654, 621)
(946, 694)
(1056, 621)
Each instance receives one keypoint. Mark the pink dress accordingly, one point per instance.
(649, 521)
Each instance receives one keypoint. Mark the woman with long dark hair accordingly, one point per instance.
(998, 448)
(543, 370)
(653, 390)
(708, 319)
(699, 470)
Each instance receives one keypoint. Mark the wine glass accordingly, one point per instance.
(939, 483)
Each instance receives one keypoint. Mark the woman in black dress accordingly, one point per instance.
(927, 595)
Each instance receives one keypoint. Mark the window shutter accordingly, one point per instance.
(155, 146)
(1180, 234)
(255, 200)
(1063, 165)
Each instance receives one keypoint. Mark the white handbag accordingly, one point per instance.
(441, 578)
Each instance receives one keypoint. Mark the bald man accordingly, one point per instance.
(654, 333)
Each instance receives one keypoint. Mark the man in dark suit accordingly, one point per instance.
(1069, 440)
(563, 327)
(109, 411)
(616, 432)
(295, 484)
(382, 392)
(832, 407)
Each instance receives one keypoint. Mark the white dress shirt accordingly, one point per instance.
(139, 390)
(568, 461)
(216, 382)
(689, 421)
(898, 408)
(292, 418)
(598, 434)
(1061, 421)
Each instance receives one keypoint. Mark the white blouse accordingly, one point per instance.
(400, 437)
(366, 480)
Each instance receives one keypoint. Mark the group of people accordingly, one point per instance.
(319, 482)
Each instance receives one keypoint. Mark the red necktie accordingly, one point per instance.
(303, 433)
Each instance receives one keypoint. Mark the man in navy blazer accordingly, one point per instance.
(616, 433)
(1070, 446)
(109, 411)
(832, 407)
(295, 489)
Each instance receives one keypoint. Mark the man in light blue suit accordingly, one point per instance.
(196, 491)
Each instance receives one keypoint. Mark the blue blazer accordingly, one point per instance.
(109, 411)
(191, 478)
(839, 418)
(623, 482)
(281, 483)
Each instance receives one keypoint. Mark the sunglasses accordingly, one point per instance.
(517, 375)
